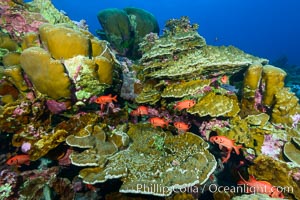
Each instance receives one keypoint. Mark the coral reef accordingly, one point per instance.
(45, 142)
(67, 67)
(17, 20)
(180, 161)
(286, 105)
(72, 134)
(180, 64)
(100, 146)
(216, 105)
(44, 184)
(50, 13)
(292, 151)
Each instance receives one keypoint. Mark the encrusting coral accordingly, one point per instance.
(50, 13)
(99, 145)
(192, 87)
(45, 142)
(215, 105)
(15, 76)
(17, 19)
(180, 64)
(285, 106)
(156, 157)
(291, 151)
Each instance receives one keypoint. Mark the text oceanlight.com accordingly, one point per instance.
(213, 188)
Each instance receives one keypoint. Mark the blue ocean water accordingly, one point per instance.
(264, 28)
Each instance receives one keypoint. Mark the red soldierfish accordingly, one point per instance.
(106, 99)
(182, 127)
(224, 79)
(158, 122)
(223, 141)
(141, 110)
(18, 160)
(185, 104)
(262, 187)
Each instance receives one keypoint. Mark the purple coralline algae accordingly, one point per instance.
(296, 119)
(272, 147)
(56, 107)
(17, 21)
(26, 146)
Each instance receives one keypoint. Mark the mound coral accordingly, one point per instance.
(125, 29)
(47, 75)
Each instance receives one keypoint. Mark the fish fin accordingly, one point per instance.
(266, 183)
(220, 146)
(237, 149)
(101, 107)
(252, 178)
(224, 160)
(115, 98)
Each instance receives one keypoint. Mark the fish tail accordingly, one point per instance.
(237, 149)
(115, 98)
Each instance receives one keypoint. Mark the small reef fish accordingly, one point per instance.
(230, 88)
(224, 79)
(141, 110)
(106, 99)
(262, 187)
(223, 141)
(91, 187)
(158, 122)
(185, 104)
(182, 127)
(18, 160)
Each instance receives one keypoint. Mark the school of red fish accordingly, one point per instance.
(224, 143)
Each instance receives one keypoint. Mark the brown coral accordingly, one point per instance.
(156, 158)
(47, 75)
(63, 42)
